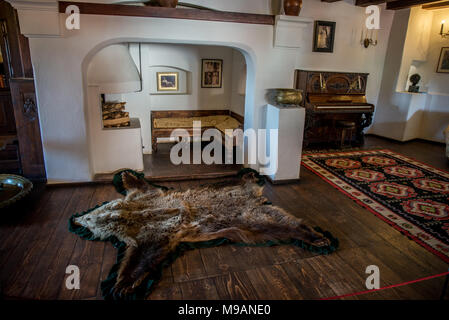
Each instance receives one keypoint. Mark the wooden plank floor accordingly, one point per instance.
(158, 167)
(36, 247)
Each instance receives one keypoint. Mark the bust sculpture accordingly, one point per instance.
(414, 79)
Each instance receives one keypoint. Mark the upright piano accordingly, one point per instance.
(331, 98)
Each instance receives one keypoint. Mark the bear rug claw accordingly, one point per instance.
(152, 226)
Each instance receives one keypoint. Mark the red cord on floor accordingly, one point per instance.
(387, 287)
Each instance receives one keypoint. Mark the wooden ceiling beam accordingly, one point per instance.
(365, 3)
(435, 6)
(403, 4)
(159, 12)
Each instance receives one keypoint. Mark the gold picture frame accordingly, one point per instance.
(168, 81)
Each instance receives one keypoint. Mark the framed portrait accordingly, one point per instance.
(443, 63)
(212, 73)
(167, 81)
(324, 36)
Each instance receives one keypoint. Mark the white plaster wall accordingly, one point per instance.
(436, 110)
(391, 112)
(414, 47)
(112, 149)
(60, 63)
(239, 74)
(349, 54)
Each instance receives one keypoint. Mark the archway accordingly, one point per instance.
(110, 150)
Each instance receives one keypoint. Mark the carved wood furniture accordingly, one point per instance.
(330, 97)
(166, 132)
(19, 121)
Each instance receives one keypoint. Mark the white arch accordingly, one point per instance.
(247, 52)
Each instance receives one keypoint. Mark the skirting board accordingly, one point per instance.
(277, 182)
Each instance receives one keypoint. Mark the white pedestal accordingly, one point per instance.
(287, 150)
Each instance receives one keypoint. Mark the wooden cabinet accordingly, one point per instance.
(18, 109)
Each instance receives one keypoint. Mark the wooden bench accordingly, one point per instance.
(166, 132)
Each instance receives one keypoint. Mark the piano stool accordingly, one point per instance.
(346, 129)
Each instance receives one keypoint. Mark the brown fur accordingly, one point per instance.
(153, 223)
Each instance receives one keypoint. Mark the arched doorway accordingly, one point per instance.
(118, 147)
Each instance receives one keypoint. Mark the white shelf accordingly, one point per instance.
(288, 31)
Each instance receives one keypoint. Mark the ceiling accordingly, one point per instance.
(401, 4)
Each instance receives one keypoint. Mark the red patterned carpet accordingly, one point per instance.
(409, 195)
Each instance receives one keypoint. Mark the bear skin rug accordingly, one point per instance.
(150, 224)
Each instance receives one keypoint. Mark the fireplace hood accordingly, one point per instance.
(113, 70)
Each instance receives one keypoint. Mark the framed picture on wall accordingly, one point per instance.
(324, 36)
(443, 63)
(167, 81)
(212, 73)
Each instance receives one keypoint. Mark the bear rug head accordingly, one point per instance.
(151, 226)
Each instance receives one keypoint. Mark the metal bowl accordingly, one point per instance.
(13, 188)
(279, 96)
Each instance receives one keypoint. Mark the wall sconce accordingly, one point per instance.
(366, 40)
(442, 33)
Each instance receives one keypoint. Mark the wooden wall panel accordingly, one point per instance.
(7, 124)
(28, 130)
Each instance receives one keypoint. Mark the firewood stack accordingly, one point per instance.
(114, 115)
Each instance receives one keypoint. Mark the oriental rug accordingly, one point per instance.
(153, 225)
(411, 196)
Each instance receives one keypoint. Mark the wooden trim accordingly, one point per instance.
(187, 113)
(107, 178)
(365, 3)
(403, 4)
(157, 12)
(240, 118)
(435, 6)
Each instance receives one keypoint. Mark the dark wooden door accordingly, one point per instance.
(28, 130)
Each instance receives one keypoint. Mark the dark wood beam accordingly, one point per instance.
(435, 6)
(365, 3)
(157, 12)
(403, 4)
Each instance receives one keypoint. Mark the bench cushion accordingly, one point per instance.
(221, 122)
